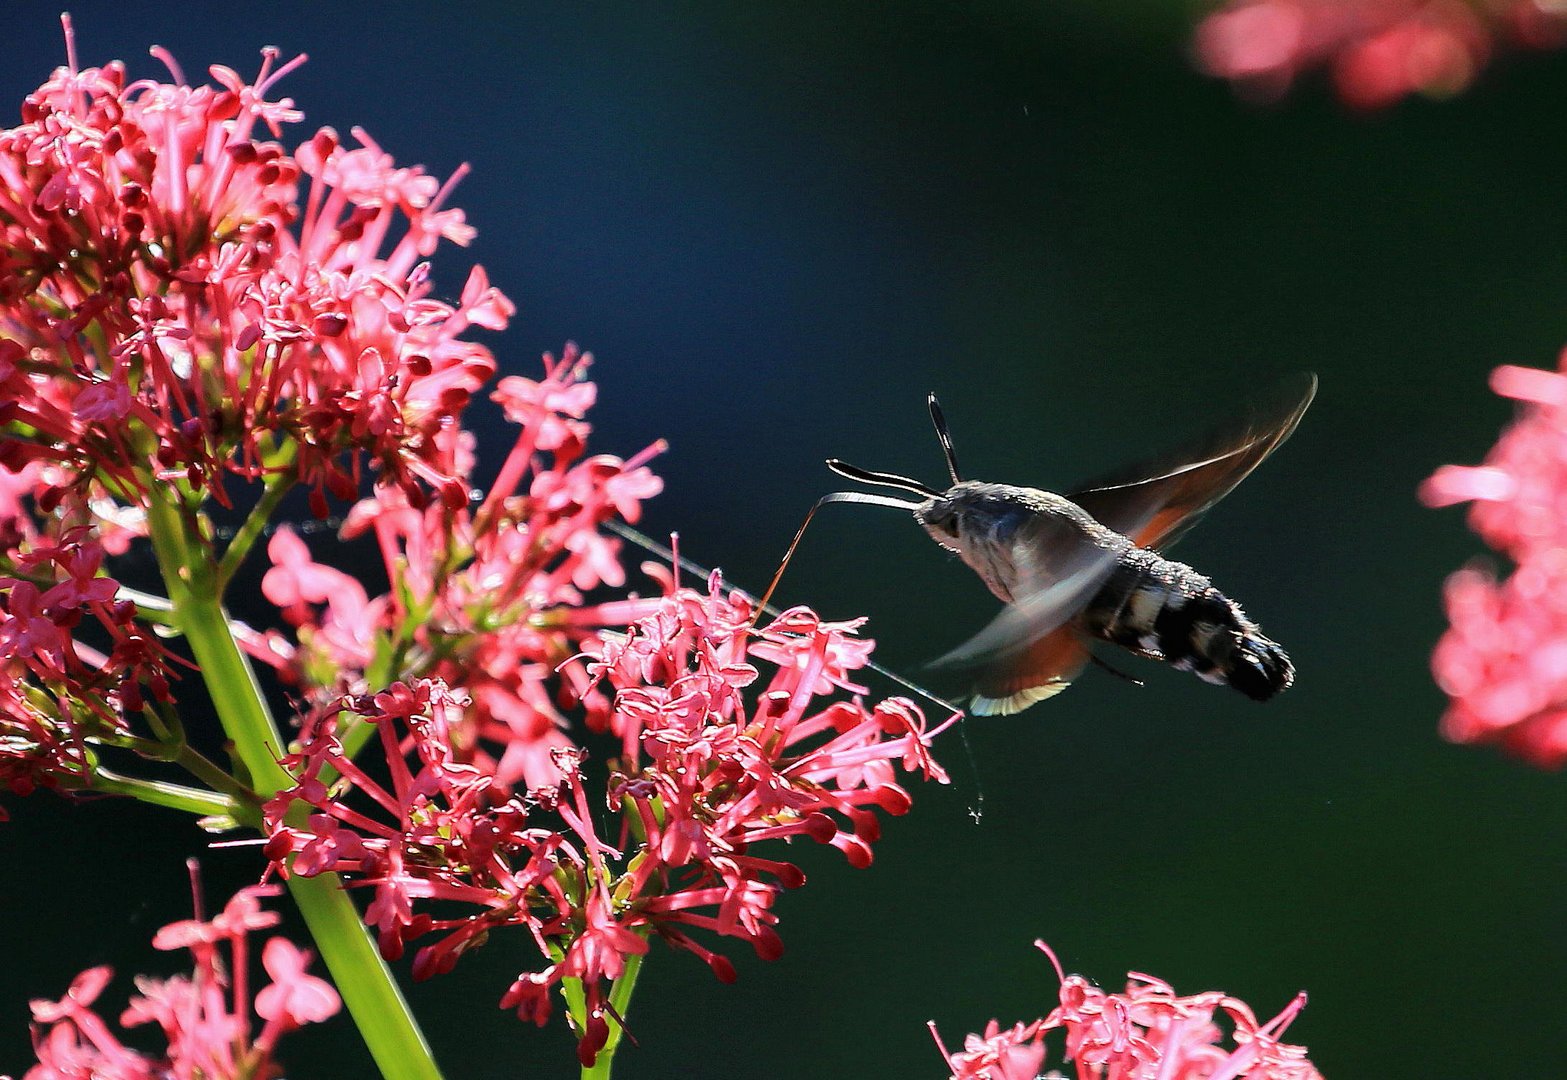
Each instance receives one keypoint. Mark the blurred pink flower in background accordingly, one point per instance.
(1145, 1033)
(1375, 51)
(1503, 661)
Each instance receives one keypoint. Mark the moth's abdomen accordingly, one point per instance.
(1167, 611)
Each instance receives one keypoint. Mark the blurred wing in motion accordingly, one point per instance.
(1156, 502)
(1029, 652)
(1045, 668)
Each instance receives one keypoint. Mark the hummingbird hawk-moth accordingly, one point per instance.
(1087, 567)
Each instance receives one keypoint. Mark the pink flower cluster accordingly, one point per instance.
(205, 1018)
(1377, 51)
(712, 762)
(186, 306)
(56, 689)
(488, 598)
(1146, 1033)
(171, 312)
(1503, 661)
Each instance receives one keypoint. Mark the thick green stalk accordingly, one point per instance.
(367, 985)
(362, 978)
(236, 695)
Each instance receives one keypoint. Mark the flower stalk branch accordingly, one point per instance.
(278, 485)
(619, 1007)
(191, 580)
(368, 987)
(174, 796)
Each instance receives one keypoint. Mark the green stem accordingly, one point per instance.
(256, 522)
(576, 1003)
(363, 979)
(161, 793)
(236, 695)
(619, 1003)
(170, 745)
(243, 803)
(198, 766)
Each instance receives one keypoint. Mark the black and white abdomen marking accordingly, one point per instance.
(1167, 611)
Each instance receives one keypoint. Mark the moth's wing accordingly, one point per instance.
(1156, 502)
(1030, 652)
(1041, 670)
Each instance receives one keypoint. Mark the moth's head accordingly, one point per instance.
(963, 513)
(974, 512)
(935, 506)
(954, 518)
(942, 518)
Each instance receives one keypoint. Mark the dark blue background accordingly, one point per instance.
(778, 228)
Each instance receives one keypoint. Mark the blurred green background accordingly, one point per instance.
(777, 227)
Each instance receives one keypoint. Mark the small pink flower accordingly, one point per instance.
(294, 998)
(241, 915)
(1014, 1054)
(296, 580)
(1145, 1033)
(556, 405)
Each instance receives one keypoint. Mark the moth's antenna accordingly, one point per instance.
(880, 479)
(944, 435)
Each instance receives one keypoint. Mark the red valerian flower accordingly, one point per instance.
(715, 759)
(184, 299)
(205, 1018)
(1145, 1033)
(1503, 660)
(1017, 1053)
(58, 688)
(293, 998)
(487, 597)
(1377, 51)
(192, 313)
